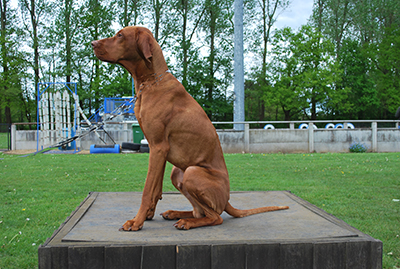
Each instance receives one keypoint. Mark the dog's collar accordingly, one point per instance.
(154, 77)
(147, 77)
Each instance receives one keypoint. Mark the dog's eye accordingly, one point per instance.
(119, 35)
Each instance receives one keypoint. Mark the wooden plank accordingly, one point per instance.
(44, 254)
(358, 254)
(193, 256)
(228, 256)
(296, 255)
(158, 257)
(329, 255)
(263, 255)
(59, 258)
(376, 254)
(86, 257)
(121, 256)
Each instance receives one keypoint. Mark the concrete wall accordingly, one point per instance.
(26, 140)
(305, 140)
(260, 140)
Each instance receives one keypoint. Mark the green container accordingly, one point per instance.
(137, 133)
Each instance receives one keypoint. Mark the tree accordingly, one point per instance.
(67, 27)
(129, 15)
(190, 14)
(333, 19)
(4, 90)
(387, 71)
(36, 10)
(218, 27)
(164, 24)
(266, 12)
(364, 34)
(287, 71)
(96, 20)
(304, 72)
(13, 68)
(362, 97)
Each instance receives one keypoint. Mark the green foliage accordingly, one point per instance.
(363, 97)
(304, 73)
(13, 69)
(343, 64)
(366, 38)
(387, 70)
(258, 37)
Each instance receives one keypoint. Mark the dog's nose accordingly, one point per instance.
(94, 44)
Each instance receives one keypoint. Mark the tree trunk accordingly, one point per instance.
(7, 109)
(68, 60)
(210, 81)
(184, 43)
(157, 19)
(35, 42)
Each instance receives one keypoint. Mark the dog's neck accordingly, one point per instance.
(141, 73)
(150, 80)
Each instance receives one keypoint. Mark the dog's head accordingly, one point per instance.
(132, 43)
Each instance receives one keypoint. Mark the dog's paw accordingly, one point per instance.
(168, 215)
(182, 224)
(129, 225)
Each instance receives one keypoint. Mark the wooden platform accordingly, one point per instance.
(302, 237)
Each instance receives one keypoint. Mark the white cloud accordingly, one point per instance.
(296, 15)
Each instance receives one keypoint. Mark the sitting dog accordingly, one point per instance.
(178, 131)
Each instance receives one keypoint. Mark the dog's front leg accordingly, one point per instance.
(152, 189)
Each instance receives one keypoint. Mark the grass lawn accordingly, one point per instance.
(3, 141)
(39, 192)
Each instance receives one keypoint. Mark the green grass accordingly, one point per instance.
(3, 141)
(39, 192)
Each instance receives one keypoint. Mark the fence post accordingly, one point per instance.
(311, 137)
(13, 136)
(291, 126)
(246, 138)
(374, 126)
(9, 137)
(125, 131)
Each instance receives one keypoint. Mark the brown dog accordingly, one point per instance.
(178, 131)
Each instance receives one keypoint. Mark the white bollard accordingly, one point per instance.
(52, 132)
(40, 123)
(69, 127)
(58, 116)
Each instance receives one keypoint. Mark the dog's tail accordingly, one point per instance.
(239, 213)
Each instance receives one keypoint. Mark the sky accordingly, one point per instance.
(296, 15)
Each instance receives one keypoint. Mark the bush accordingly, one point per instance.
(358, 147)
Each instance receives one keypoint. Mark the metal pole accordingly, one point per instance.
(238, 106)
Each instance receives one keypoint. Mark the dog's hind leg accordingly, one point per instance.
(208, 191)
(177, 181)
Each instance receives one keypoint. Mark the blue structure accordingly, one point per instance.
(125, 104)
(71, 86)
(114, 105)
(101, 149)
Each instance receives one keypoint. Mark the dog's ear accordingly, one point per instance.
(145, 47)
